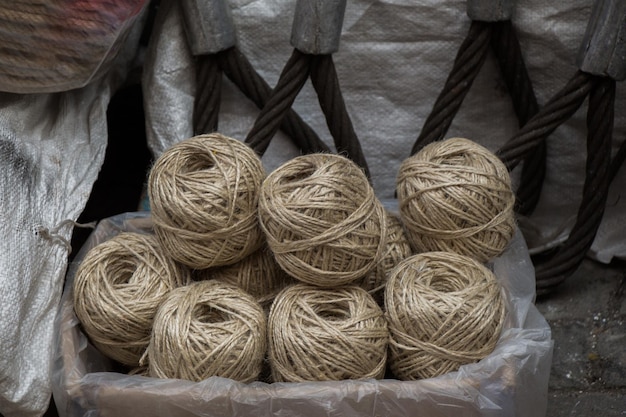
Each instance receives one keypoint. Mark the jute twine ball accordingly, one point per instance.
(324, 334)
(257, 274)
(322, 220)
(397, 248)
(444, 310)
(455, 195)
(203, 197)
(117, 289)
(208, 328)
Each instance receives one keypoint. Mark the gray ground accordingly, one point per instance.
(587, 314)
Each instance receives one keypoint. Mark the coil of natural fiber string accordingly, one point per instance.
(208, 328)
(397, 248)
(326, 334)
(203, 195)
(117, 289)
(456, 195)
(444, 310)
(322, 220)
(258, 274)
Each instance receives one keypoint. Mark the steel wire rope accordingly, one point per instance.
(561, 262)
(471, 55)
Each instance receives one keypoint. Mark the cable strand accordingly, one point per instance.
(240, 71)
(326, 84)
(290, 82)
(569, 256)
(470, 58)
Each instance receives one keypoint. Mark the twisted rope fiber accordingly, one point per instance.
(65, 32)
(455, 195)
(257, 274)
(207, 102)
(326, 84)
(117, 289)
(600, 117)
(467, 64)
(508, 52)
(556, 111)
(443, 310)
(239, 70)
(617, 161)
(322, 220)
(397, 248)
(203, 197)
(208, 328)
(506, 47)
(290, 82)
(317, 334)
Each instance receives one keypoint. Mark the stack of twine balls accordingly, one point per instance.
(327, 229)
(303, 268)
(203, 193)
(444, 307)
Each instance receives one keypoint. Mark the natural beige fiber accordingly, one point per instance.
(117, 289)
(257, 274)
(322, 220)
(325, 334)
(397, 248)
(203, 197)
(444, 310)
(208, 328)
(456, 195)
(51, 46)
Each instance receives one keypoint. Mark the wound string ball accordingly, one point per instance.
(203, 197)
(455, 195)
(117, 289)
(322, 220)
(326, 334)
(444, 310)
(258, 274)
(208, 328)
(397, 248)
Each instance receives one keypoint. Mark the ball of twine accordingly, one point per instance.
(117, 289)
(456, 196)
(397, 248)
(323, 334)
(257, 274)
(444, 310)
(208, 328)
(322, 220)
(203, 197)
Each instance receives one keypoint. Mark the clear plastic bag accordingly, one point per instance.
(511, 381)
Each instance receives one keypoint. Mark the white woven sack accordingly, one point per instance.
(51, 149)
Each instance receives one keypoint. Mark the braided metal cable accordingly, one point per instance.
(240, 71)
(508, 52)
(326, 84)
(567, 258)
(207, 101)
(290, 82)
(556, 111)
(467, 64)
(617, 161)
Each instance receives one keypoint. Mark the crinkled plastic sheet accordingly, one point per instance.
(511, 381)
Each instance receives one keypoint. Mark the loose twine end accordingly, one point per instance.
(53, 234)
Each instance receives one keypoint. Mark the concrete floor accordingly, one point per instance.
(587, 315)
